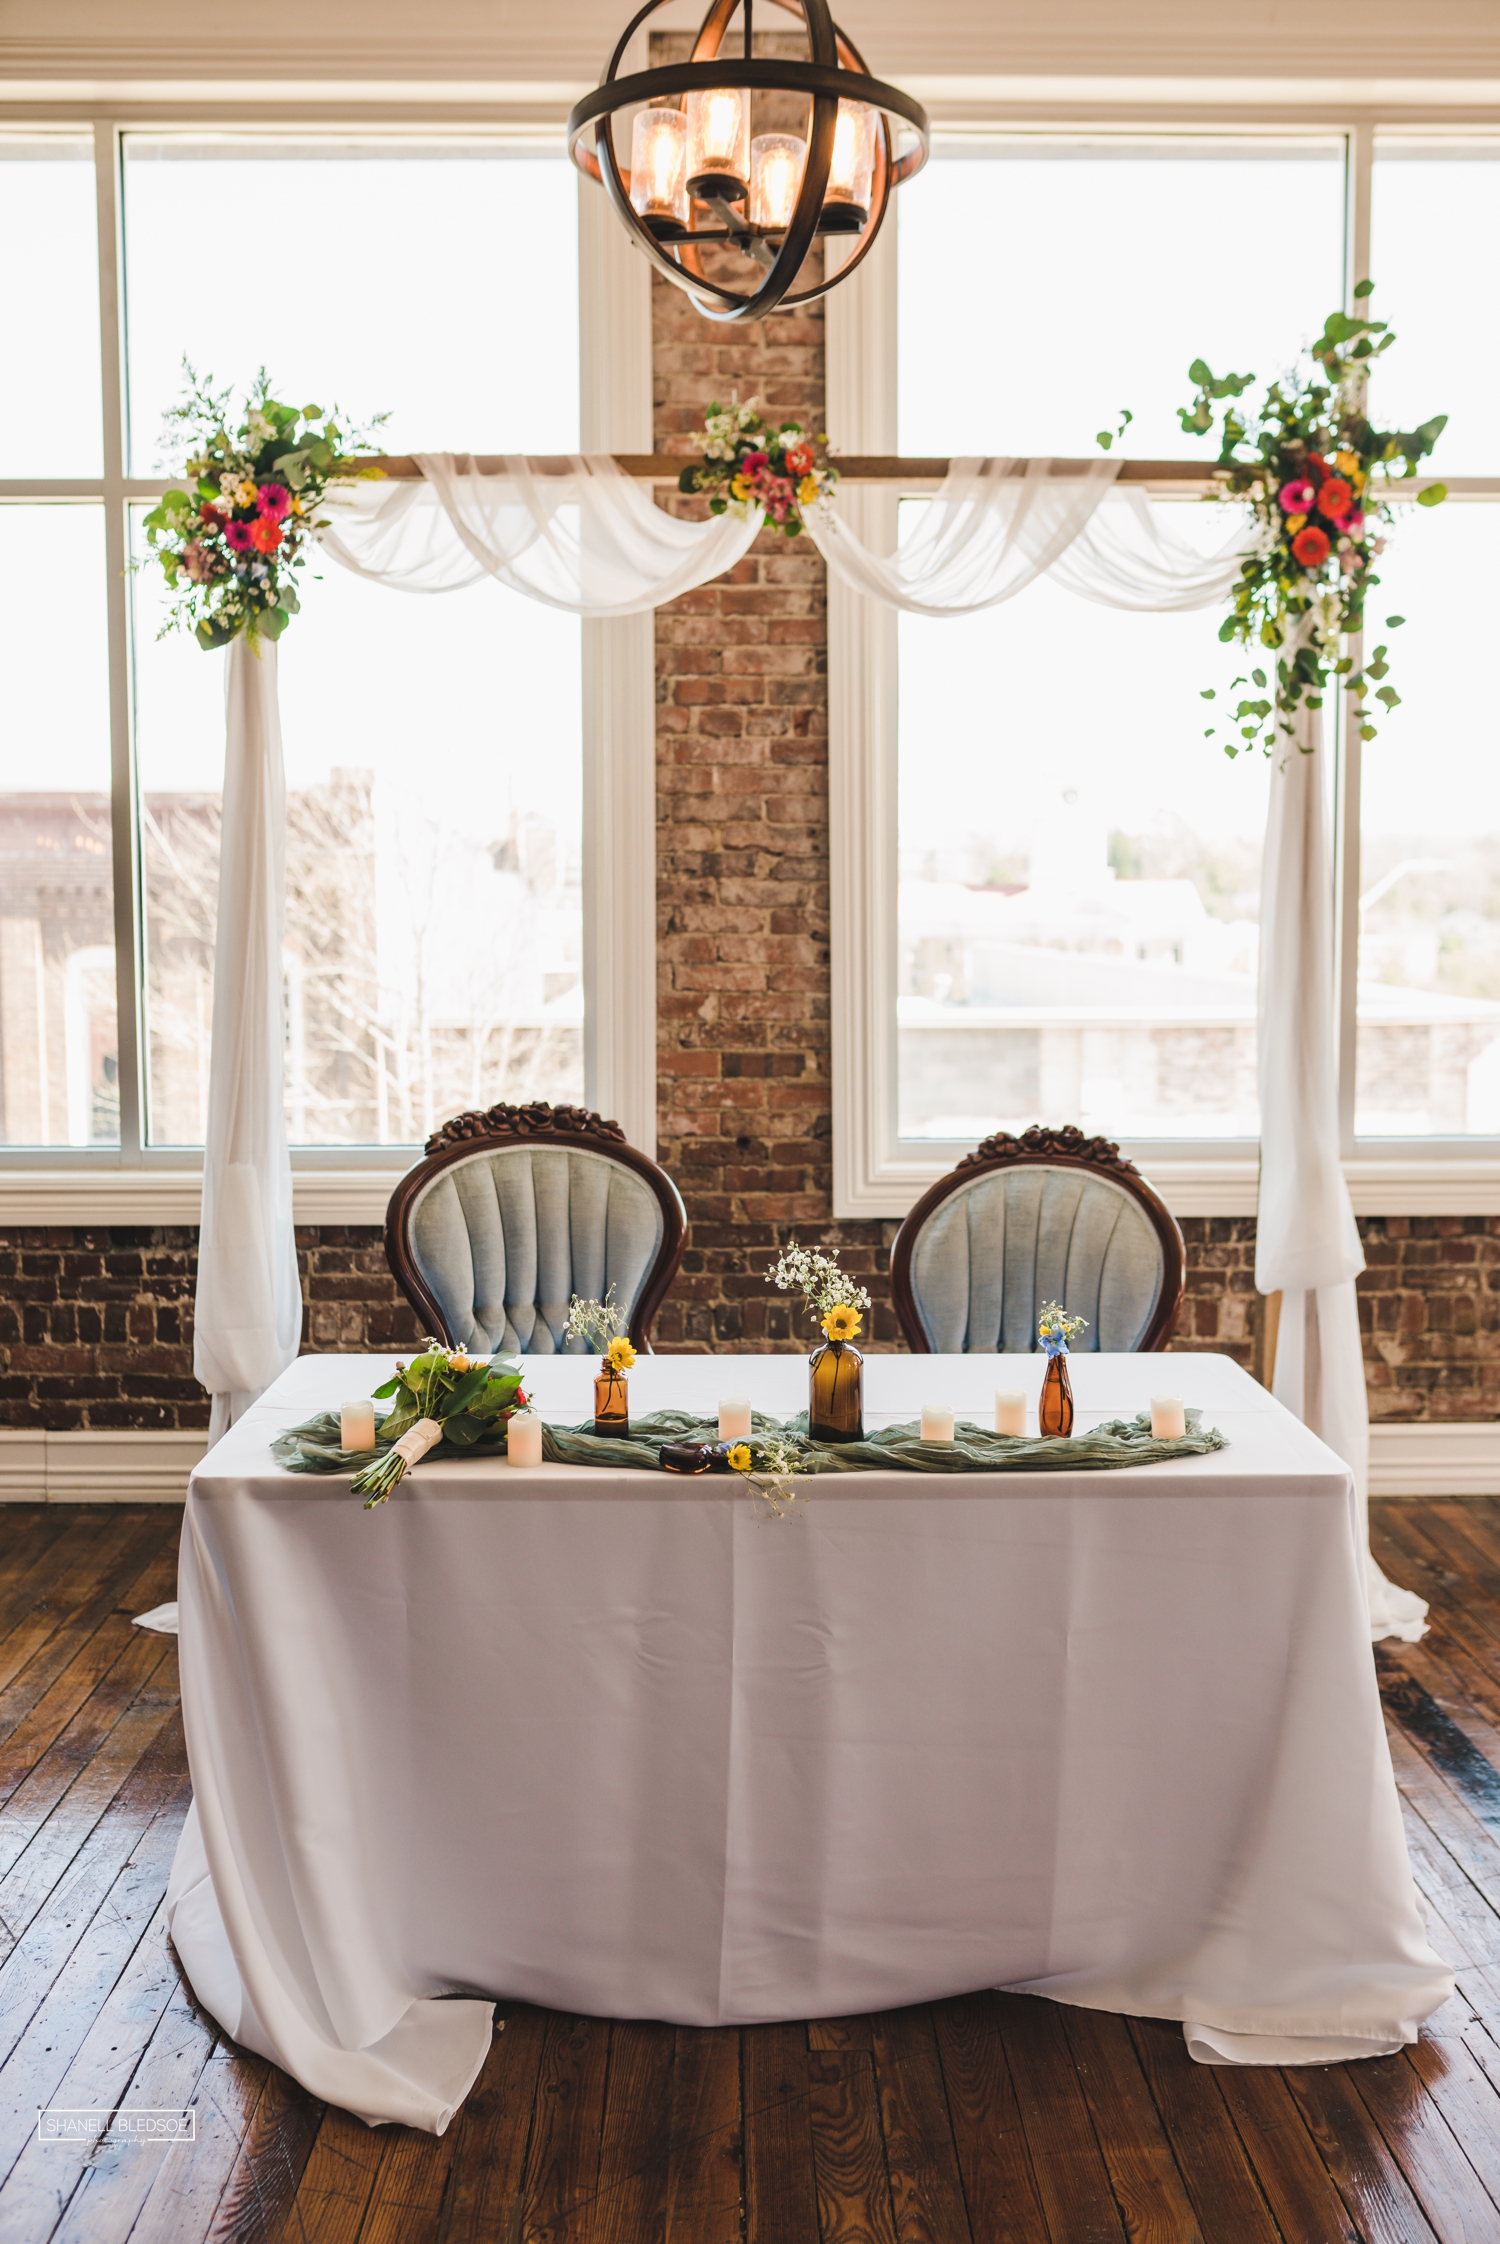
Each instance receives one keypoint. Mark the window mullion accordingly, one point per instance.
(122, 791)
(1349, 754)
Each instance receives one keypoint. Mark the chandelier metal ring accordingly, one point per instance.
(834, 79)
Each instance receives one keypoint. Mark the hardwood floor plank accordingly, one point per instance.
(1462, 2076)
(268, 2166)
(79, 1762)
(840, 2033)
(1445, 1812)
(1210, 2156)
(60, 2024)
(927, 2194)
(1068, 2164)
(493, 2134)
(1142, 2170)
(39, 1598)
(60, 1919)
(706, 2166)
(406, 2204)
(781, 2194)
(635, 2144)
(989, 2142)
(1455, 2201)
(182, 2201)
(45, 2177)
(169, 2076)
(562, 2167)
(1372, 2185)
(336, 2184)
(854, 2195)
(1303, 2197)
(147, 1559)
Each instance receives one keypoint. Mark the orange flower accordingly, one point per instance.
(1335, 499)
(265, 533)
(1311, 546)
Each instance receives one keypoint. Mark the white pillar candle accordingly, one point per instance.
(734, 1419)
(357, 1424)
(937, 1424)
(1168, 1418)
(523, 1439)
(1010, 1412)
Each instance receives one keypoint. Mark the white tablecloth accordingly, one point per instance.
(624, 1744)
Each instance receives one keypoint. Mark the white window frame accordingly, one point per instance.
(875, 1173)
(138, 1183)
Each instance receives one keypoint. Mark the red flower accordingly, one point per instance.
(1335, 498)
(215, 516)
(800, 459)
(1311, 546)
(754, 463)
(265, 533)
(237, 536)
(1317, 464)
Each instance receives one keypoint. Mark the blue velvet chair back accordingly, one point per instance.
(492, 1235)
(980, 1254)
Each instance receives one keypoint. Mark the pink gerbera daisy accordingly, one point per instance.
(274, 499)
(237, 535)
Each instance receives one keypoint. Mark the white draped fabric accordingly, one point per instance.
(1306, 1242)
(248, 1313)
(592, 542)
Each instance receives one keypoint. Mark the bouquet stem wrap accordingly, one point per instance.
(376, 1481)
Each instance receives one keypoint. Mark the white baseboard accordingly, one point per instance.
(1436, 1460)
(153, 1468)
(105, 1468)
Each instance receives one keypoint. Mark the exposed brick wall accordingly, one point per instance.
(96, 1326)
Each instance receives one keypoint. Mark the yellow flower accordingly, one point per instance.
(739, 1457)
(842, 1322)
(740, 488)
(620, 1354)
(458, 1361)
(807, 490)
(1294, 523)
(1347, 463)
(244, 494)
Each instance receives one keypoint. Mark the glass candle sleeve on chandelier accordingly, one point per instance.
(846, 200)
(718, 144)
(776, 160)
(658, 169)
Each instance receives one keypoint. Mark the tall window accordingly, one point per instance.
(1077, 941)
(433, 955)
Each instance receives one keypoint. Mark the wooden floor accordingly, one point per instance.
(980, 2121)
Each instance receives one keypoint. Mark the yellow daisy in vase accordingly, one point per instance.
(739, 1457)
(619, 1355)
(842, 1322)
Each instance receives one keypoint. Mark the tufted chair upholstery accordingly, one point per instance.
(1050, 1216)
(515, 1211)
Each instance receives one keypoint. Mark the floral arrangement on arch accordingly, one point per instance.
(1312, 467)
(230, 545)
(746, 464)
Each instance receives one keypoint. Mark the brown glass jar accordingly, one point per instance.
(611, 1404)
(836, 1392)
(1055, 1410)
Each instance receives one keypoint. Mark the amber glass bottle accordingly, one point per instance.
(611, 1405)
(1055, 1410)
(836, 1392)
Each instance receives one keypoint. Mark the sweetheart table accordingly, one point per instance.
(627, 1744)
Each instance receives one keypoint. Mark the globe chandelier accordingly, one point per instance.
(701, 177)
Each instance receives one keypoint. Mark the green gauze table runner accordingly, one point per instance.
(313, 1447)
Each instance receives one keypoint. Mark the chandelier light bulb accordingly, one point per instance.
(718, 144)
(776, 160)
(846, 203)
(658, 170)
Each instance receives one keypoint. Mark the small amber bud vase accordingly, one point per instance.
(1055, 1410)
(611, 1404)
(836, 1392)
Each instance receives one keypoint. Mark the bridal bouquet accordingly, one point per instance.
(746, 463)
(229, 544)
(441, 1395)
(1311, 466)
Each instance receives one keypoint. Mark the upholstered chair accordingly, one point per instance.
(514, 1211)
(1049, 1216)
